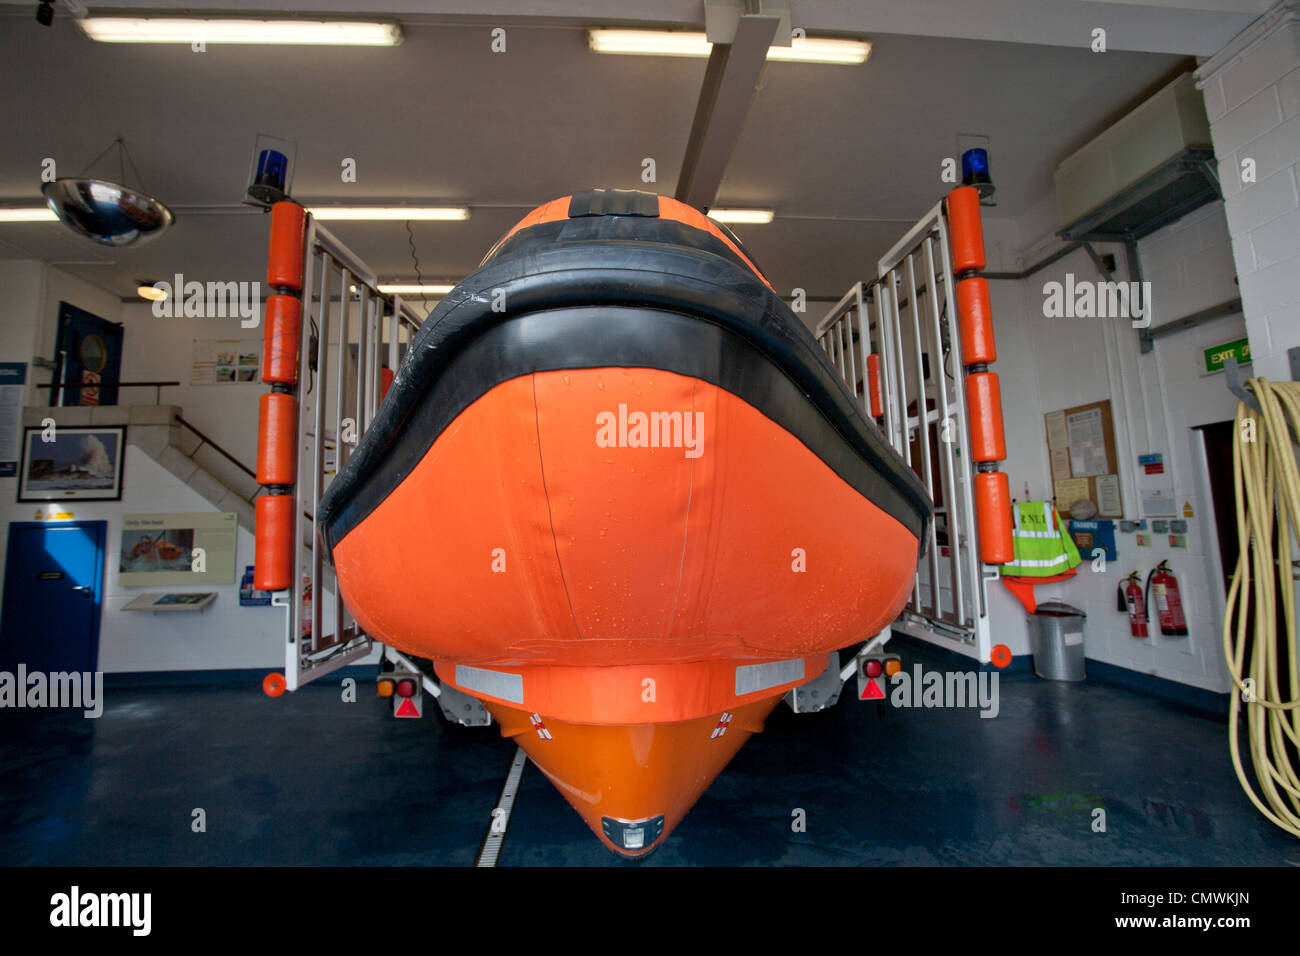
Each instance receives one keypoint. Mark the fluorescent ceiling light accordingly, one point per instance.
(742, 215)
(438, 213)
(679, 43)
(412, 288)
(651, 42)
(27, 214)
(822, 50)
(285, 32)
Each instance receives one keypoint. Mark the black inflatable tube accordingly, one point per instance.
(678, 294)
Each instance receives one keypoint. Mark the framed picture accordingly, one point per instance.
(73, 464)
(178, 550)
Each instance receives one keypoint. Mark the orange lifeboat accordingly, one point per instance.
(618, 493)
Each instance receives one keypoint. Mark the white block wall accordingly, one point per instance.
(1252, 96)
(1156, 400)
(224, 635)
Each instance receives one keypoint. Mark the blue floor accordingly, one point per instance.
(308, 779)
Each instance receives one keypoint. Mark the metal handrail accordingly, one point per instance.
(156, 386)
(204, 439)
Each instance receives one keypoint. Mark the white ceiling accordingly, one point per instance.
(846, 155)
(1199, 27)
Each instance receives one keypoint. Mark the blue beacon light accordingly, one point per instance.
(975, 171)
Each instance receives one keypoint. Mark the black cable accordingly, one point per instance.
(97, 159)
(311, 344)
(123, 157)
(410, 239)
(947, 352)
(140, 179)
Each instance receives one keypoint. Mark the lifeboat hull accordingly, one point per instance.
(633, 783)
(629, 512)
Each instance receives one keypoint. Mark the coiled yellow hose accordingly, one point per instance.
(1267, 484)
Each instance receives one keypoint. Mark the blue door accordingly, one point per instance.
(54, 577)
(91, 351)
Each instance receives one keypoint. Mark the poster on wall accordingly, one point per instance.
(225, 361)
(1087, 443)
(177, 549)
(1092, 536)
(1081, 448)
(13, 378)
(72, 463)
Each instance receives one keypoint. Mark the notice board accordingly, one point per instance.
(1081, 446)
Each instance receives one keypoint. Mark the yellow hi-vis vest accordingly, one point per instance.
(1042, 546)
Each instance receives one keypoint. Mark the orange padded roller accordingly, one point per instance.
(984, 398)
(966, 231)
(284, 256)
(277, 429)
(993, 517)
(976, 319)
(273, 546)
(875, 395)
(280, 340)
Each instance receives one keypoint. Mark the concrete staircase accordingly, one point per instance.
(155, 430)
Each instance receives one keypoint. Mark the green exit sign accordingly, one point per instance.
(1214, 357)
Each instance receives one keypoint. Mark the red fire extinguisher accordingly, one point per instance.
(1131, 600)
(1169, 603)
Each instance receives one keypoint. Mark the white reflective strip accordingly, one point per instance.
(1036, 563)
(1035, 534)
(756, 677)
(493, 683)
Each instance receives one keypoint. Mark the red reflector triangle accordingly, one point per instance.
(407, 709)
(873, 690)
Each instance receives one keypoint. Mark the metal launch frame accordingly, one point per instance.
(906, 318)
(903, 322)
(337, 287)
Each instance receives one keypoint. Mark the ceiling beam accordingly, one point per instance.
(730, 81)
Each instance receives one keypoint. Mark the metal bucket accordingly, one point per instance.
(1058, 641)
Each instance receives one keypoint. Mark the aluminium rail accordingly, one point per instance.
(906, 317)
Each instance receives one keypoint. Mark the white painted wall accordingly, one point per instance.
(29, 315)
(21, 280)
(162, 349)
(1048, 364)
(222, 636)
(226, 412)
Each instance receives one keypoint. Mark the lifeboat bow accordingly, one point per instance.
(618, 493)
